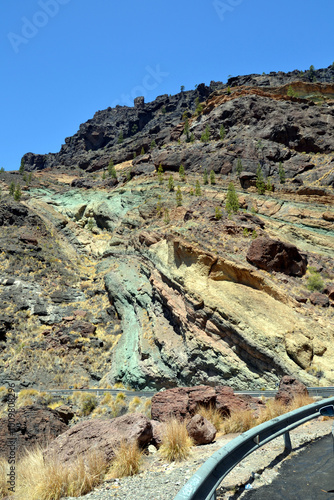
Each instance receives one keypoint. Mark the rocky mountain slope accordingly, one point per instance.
(107, 280)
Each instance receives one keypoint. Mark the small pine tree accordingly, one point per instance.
(269, 185)
(205, 137)
(134, 129)
(222, 132)
(212, 177)
(182, 88)
(178, 197)
(239, 166)
(166, 216)
(281, 173)
(163, 110)
(192, 137)
(12, 188)
(205, 177)
(21, 169)
(160, 174)
(181, 173)
(153, 144)
(218, 213)
(2, 170)
(199, 107)
(191, 192)
(90, 224)
(120, 138)
(198, 191)
(186, 128)
(170, 183)
(17, 193)
(29, 178)
(142, 152)
(291, 92)
(159, 206)
(228, 90)
(260, 184)
(232, 202)
(112, 170)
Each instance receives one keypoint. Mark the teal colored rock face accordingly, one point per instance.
(136, 358)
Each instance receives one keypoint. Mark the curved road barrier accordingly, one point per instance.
(203, 484)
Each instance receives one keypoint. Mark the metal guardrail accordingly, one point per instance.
(203, 484)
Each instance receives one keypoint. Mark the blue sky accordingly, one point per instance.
(62, 60)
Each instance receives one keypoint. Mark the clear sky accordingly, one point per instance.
(63, 60)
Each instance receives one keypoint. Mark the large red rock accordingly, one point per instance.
(290, 387)
(274, 255)
(103, 435)
(182, 402)
(33, 425)
(201, 430)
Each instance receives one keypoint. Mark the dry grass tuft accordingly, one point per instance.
(212, 414)
(51, 480)
(239, 421)
(271, 410)
(4, 470)
(300, 400)
(128, 458)
(176, 443)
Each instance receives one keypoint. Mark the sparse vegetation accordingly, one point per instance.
(170, 183)
(198, 191)
(222, 132)
(205, 137)
(238, 167)
(182, 173)
(160, 174)
(176, 443)
(128, 458)
(178, 197)
(212, 177)
(205, 177)
(260, 184)
(218, 213)
(281, 173)
(232, 202)
(120, 138)
(314, 280)
(39, 479)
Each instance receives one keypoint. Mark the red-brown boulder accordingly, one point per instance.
(201, 430)
(182, 402)
(290, 387)
(32, 425)
(102, 435)
(319, 299)
(274, 255)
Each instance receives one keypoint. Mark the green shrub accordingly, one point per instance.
(314, 281)
(232, 202)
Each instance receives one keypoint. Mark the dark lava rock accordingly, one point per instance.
(33, 425)
(319, 299)
(274, 255)
(289, 387)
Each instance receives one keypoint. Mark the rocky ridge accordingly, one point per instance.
(108, 280)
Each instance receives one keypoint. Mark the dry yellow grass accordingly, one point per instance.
(271, 410)
(212, 414)
(51, 480)
(176, 443)
(239, 421)
(128, 458)
(4, 470)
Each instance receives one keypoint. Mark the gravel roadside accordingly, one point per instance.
(161, 481)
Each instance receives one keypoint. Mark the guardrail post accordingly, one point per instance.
(287, 442)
